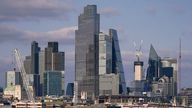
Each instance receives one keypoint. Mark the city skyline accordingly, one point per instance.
(150, 21)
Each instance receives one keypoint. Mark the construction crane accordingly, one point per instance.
(25, 80)
(138, 52)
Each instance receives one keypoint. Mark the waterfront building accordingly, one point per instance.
(86, 51)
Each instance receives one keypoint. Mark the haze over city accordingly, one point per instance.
(160, 23)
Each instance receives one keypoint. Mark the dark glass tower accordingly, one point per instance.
(86, 51)
(35, 67)
(117, 65)
(154, 69)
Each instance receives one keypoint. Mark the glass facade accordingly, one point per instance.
(117, 65)
(86, 51)
(35, 67)
(70, 89)
(52, 83)
(54, 60)
(154, 68)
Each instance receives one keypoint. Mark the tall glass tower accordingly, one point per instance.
(117, 65)
(35, 67)
(86, 51)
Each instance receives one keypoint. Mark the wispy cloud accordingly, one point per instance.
(11, 33)
(109, 11)
(11, 10)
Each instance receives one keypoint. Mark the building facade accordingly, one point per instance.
(109, 84)
(52, 83)
(35, 67)
(117, 64)
(12, 78)
(53, 60)
(105, 54)
(86, 51)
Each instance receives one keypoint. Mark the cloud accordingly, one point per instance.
(62, 35)
(108, 12)
(11, 10)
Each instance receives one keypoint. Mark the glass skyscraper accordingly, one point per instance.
(117, 65)
(35, 67)
(86, 51)
(154, 69)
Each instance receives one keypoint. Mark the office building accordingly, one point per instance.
(70, 89)
(170, 69)
(35, 67)
(12, 78)
(53, 61)
(52, 83)
(153, 70)
(86, 51)
(117, 65)
(109, 84)
(27, 64)
(105, 54)
(41, 65)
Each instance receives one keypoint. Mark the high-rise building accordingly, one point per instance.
(53, 60)
(52, 83)
(35, 67)
(171, 68)
(86, 51)
(12, 78)
(27, 64)
(154, 68)
(117, 65)
(105, 54)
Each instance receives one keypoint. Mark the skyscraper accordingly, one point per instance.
(154, 68)
(53, 61)
(86, 51)
(105, 54)
(170, 67)
(117, 65)
(35, 67)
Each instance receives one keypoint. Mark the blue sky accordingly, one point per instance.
(157, 22)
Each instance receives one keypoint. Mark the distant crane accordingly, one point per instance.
(25, 80)
(138, 52)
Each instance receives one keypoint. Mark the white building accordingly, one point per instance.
(12, 78)
(13, 91)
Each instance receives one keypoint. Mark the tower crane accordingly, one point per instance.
(25, 80)
(138, 52)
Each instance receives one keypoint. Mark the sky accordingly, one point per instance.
(157, 22)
